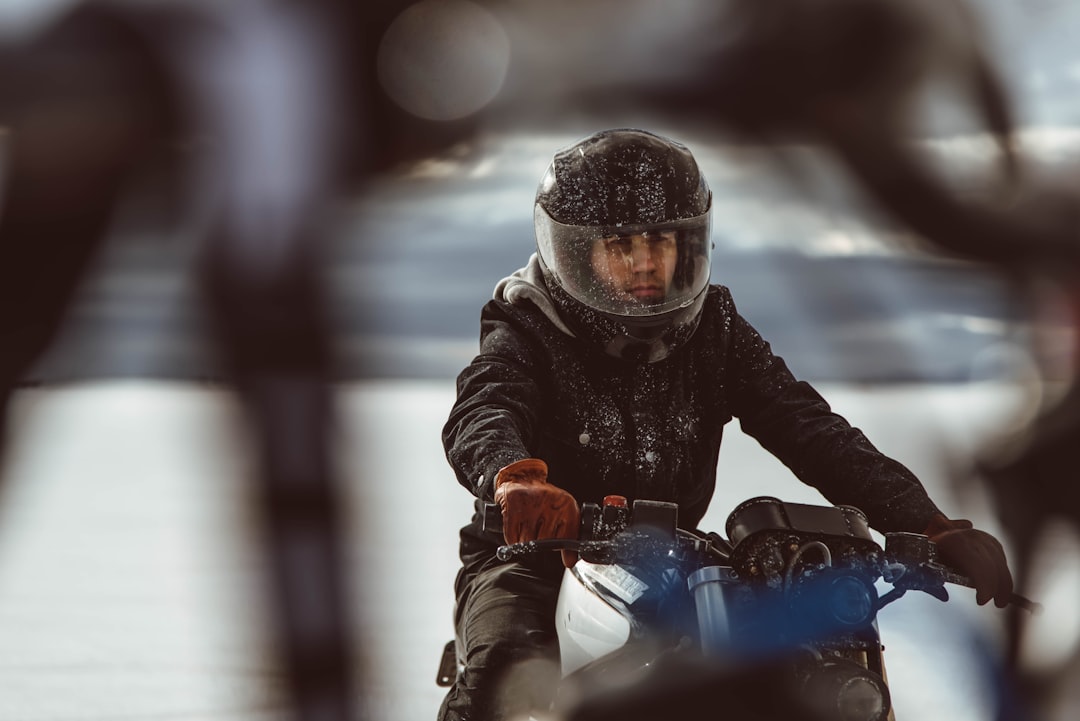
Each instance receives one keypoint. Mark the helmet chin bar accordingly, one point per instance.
(648, 339)
(635, 339)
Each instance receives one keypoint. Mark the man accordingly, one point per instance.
(610, 365)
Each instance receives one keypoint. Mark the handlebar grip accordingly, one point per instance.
(505, 553)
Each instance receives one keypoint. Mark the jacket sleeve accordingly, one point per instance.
(794, 423)
(491, 423)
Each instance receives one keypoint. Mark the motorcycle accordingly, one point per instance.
(791, 592)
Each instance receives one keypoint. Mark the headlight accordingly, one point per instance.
(846, 691)
(860, 699)
(850, 602)
(829, 600)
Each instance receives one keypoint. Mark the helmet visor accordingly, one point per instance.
(627, 270)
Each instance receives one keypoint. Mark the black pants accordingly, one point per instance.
(504, 619)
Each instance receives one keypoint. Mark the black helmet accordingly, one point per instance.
(622, 230)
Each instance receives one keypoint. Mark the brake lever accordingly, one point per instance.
(1015, 599)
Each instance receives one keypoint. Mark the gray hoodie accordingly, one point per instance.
(526, 285)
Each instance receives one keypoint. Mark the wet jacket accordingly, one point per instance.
(653, 430)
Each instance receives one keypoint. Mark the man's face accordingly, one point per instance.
(636, 267)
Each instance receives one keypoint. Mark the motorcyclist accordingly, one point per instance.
(610, 365)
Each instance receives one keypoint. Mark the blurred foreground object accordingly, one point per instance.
(234, 105)
(684, 688)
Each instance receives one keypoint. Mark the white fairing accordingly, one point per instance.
(588, 627)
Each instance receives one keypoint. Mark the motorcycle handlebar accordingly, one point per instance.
(491, 515)
(511, 550)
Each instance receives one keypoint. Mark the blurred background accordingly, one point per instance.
(841, 290)
(128, 574)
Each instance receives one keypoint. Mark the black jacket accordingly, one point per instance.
(653, 430)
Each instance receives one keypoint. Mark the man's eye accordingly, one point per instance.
(617, 243)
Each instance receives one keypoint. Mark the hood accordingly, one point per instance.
(526, 285)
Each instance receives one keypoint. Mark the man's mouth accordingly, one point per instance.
(647, 292)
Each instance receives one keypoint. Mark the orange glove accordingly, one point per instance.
(975, 554)
(532, 508)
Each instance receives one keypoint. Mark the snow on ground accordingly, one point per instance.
(129, 583)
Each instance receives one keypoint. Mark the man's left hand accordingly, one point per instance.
(975, 554)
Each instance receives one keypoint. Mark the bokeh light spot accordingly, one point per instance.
(443, 59)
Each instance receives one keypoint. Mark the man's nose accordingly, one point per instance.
(641, 254)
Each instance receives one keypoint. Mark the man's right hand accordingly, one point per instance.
(532, 508)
